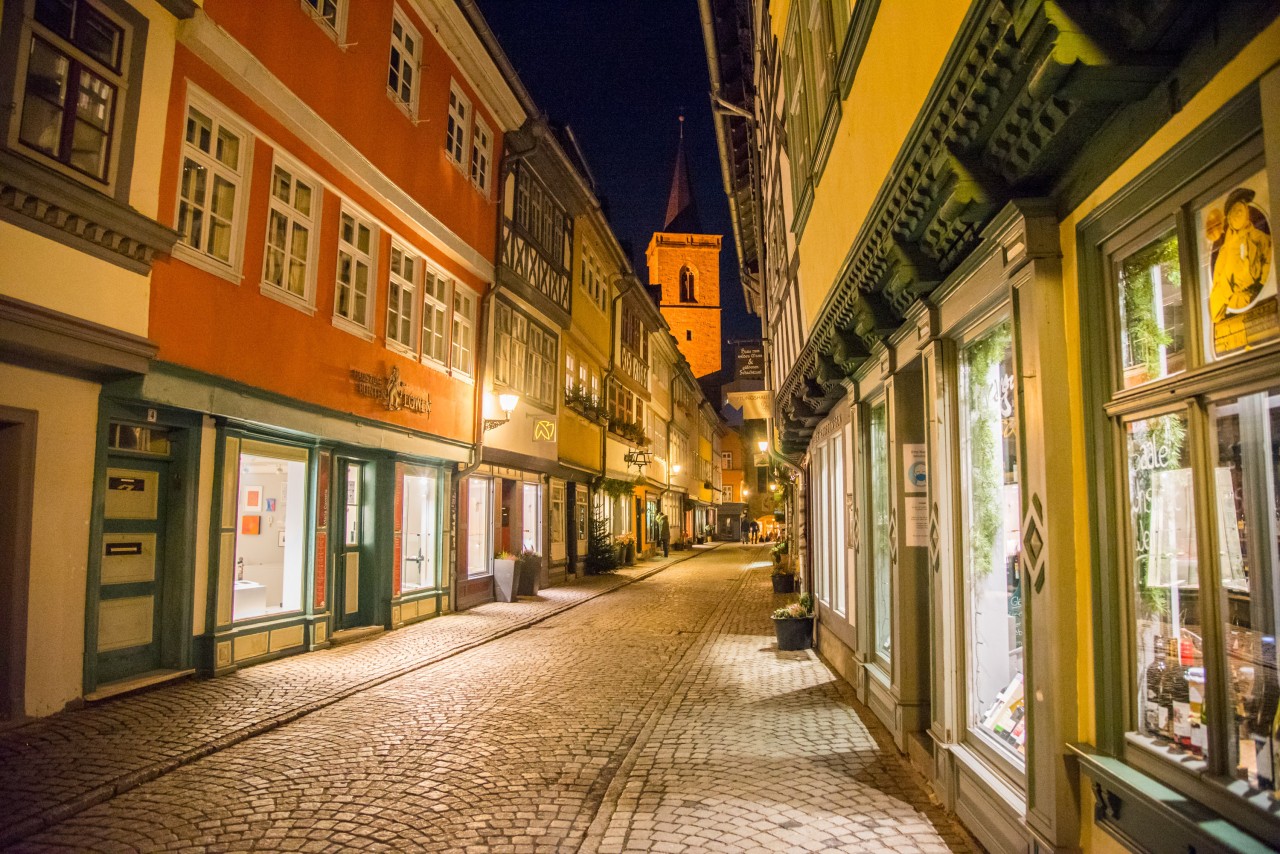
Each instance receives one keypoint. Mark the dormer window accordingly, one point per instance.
(686, 285)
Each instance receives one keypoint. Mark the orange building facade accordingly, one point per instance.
(330, 170)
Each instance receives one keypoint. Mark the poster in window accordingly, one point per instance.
(1237, 267)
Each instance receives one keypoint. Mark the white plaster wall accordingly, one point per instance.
(65, 445)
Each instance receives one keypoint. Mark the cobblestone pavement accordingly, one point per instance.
(657, 718)
(57, 766)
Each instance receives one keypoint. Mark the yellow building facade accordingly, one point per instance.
(1017, 278)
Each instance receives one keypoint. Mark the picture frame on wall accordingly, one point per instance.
(251, 525)
(271, 505)
(252, 498)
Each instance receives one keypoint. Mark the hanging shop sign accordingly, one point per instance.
(544, 430)
(750, 361)
(391, 391)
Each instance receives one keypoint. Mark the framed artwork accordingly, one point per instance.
(271, 505)
(253, 498)
(1238, 269)
(251, 525)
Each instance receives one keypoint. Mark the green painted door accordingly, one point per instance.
(353, 569)
(132, 567)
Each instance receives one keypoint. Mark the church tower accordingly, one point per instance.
(684, 264)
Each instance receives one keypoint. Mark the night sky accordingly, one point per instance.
(619, 72)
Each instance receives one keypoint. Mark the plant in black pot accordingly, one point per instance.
(784, 580)
(529, 572)
(793, 624)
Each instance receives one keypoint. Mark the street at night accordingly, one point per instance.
(656, 717)
(640, 426)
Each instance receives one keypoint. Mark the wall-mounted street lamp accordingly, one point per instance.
(746, 493)
(773, 487)
(675, 469)
(763, 445)
(507, 403)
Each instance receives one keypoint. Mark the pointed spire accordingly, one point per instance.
(682, 211)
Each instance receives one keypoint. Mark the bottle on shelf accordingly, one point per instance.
(1153, 710)
(1263, 722)
(1180, 697)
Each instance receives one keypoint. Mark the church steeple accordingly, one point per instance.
(682, 210)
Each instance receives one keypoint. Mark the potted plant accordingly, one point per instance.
(505, 583)
(529, 572)
(793, 624)
(626, 544)
(779, 552)
(784, 580)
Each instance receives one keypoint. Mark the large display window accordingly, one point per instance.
(419, 531)
(991, 499)
(882, 599)
(531, 518)
(1198, 457)
(479, 526)
(270, 530)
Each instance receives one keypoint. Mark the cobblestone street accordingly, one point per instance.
(658, 717)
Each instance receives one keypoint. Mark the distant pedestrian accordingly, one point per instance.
(746, 530)
(664, 534)
(755, 532)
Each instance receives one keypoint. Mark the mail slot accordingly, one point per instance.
(127, 484)
(119, 549)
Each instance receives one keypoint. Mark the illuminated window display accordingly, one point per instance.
(880, 582)
(418, 532)
(270, 531)
(992, 531)
(479, 530)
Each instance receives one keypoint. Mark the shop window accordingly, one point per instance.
(215, 153)
(402, 73)
(270, 531)
(356, 236)
(418, 532)
(531, 518)
(1151, 315)
(1237, 268)
(479, 526)
(457, 126)
(402, 287)
(289, 265)
(557, 513)
(1246, 490)
(882, 601)
(1193, 549)
(992, 535)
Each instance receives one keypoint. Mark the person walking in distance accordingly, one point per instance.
(664, 534)
(755, 531)
(746, 529)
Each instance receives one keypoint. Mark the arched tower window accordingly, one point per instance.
(686, 285)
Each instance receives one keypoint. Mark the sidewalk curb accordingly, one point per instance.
(119, 785)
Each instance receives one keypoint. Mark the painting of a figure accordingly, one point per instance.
(1237, 257)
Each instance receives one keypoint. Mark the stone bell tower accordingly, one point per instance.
(685, 264)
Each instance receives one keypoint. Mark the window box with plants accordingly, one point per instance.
(629, 430)
(793, 624)
(585, 404)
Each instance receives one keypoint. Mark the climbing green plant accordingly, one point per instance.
(1144, 335)
(986, 470)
